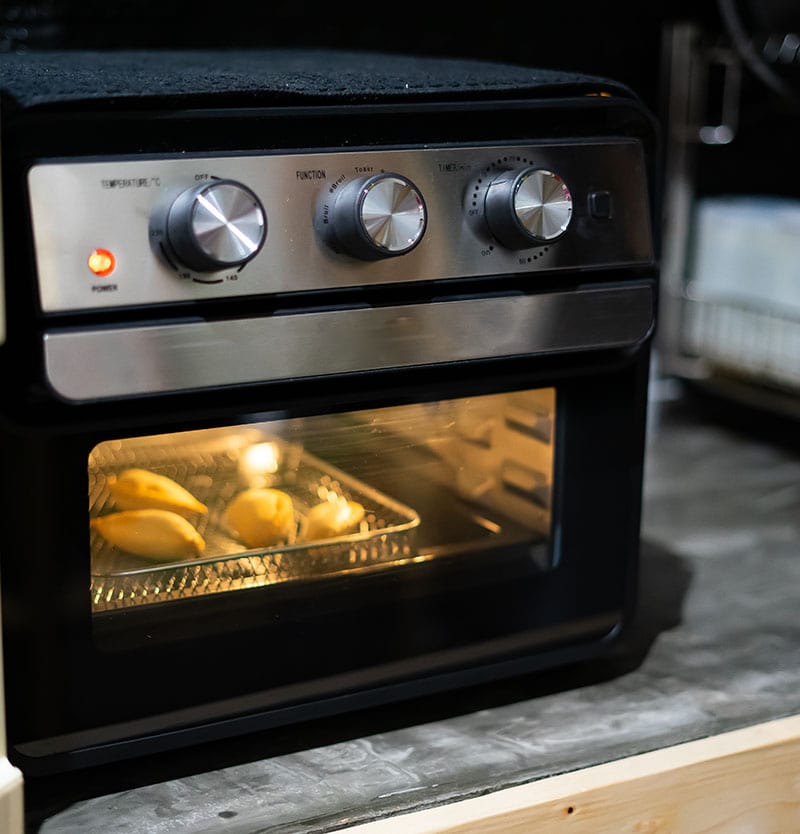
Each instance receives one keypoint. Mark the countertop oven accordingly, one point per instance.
(313, 399)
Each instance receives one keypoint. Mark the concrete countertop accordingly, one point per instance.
(715, 647)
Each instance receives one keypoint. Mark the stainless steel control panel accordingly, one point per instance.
(141, 231)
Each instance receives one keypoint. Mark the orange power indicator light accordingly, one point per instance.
(102, 262)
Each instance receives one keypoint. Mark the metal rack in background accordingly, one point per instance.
(729, 319)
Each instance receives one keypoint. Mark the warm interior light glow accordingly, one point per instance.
(102, 262)
(258, 462)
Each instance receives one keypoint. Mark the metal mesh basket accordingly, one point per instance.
(208, 463)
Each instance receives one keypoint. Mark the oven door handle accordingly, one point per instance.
(158, 359)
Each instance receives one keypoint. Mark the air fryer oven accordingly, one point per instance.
(318, 395)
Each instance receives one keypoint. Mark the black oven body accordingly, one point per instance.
(85, 688)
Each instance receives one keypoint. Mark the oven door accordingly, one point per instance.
(187, 564)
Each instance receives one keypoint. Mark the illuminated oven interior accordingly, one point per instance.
(188, 514)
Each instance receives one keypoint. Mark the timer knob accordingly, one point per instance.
(527, 207)
(216, 225)
(377, 217)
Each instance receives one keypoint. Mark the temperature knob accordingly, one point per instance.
(377, 217)
(527, 207)
(217, 225)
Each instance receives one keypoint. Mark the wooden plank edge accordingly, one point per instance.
(745, 780)
(11, 798)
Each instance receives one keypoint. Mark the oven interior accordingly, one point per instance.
(220, 510)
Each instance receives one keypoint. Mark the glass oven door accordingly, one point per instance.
(219, 565)
(231, 509)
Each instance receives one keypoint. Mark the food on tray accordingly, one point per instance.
(333, 518)
(153, 534)
(140, 489)
(262, 517)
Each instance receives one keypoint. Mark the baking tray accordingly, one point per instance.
(209, 463)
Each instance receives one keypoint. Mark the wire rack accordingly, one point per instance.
(209, 464)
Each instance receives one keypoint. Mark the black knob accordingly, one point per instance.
(377, 217)
(527, 207)
(217, 225)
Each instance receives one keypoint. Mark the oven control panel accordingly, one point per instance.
(144, 230)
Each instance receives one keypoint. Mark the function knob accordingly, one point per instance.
(528, 207)
(216, 225)
(377, 217)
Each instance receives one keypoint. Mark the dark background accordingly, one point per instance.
(619, 40)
